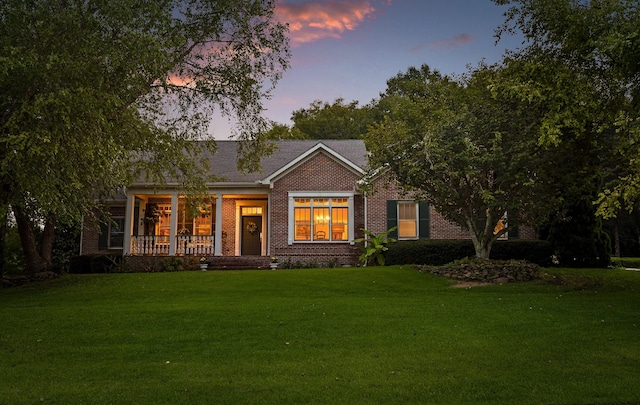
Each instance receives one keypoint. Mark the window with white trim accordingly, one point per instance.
(321, 219)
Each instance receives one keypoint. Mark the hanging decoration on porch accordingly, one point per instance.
(252, 227)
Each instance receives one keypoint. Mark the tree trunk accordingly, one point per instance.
(46, 243)
(3, 237)
(481, 245)
(482, 240)
(34, 263)
(616, 237)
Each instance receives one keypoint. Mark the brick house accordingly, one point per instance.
(304, 206)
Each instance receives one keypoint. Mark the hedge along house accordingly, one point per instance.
(304, 206)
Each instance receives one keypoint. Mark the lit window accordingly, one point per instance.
(502, 223)
(407, 220)
(189, 223)
(321, 219)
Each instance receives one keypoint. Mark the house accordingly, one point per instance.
(304, 206)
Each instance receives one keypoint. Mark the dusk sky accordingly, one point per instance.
(349, 48)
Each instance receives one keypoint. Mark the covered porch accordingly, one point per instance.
(223, 223)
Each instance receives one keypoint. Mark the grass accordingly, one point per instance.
(378, 335)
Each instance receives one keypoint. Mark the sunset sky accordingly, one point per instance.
(349, 48)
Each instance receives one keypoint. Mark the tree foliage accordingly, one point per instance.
(338, 120)
(593, 48)
(94, 93)
(470, 151)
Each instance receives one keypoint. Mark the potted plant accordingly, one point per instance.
(203, 263)
(274, 263)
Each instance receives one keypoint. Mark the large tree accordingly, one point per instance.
(95, 92)
(595, 42)
(469, 151)
(337, 120)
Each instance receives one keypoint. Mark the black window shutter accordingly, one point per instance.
(392, 217)
(103, 238)
(513, 233)
(424, 224)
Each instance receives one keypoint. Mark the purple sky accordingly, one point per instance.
(349, 49)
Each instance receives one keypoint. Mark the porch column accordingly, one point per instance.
(218, 231)
(173, 225)
(128, 222)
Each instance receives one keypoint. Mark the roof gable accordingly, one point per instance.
(319, 147)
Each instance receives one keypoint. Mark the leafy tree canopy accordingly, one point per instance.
(323, 120)
(94, 92)
(470, 151)
(582, 60)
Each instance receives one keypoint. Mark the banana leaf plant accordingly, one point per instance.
(374, 246)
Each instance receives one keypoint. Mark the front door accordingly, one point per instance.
(251, 235)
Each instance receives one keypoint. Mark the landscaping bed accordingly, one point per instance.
(486, 271)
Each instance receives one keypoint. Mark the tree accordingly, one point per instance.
(597, 42)
(95, 93)
(281, 131)
(572, 227)
(469, 151)
(332, 121)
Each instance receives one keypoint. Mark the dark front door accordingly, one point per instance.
(251, 232)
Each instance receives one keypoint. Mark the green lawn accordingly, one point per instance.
(330, 336)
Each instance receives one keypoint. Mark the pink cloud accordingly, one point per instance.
(317, 19)
(447, 43)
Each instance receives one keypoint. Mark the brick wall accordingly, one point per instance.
(91, 233)
(440, 228)
(318, 173)
(228, 227)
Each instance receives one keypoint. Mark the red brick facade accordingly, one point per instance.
(319, 172)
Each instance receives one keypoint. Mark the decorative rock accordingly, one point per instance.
(501, 280)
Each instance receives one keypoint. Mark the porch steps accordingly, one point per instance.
(238, 262)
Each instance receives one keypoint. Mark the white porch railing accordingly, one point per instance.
(189, 245)
(195, 245)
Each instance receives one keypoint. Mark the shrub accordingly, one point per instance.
(539, 252)
(440, 251)
(631, 262)
(428, 251)
(87, 264)
(374, 246)
(169, 264)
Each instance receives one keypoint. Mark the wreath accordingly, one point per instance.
(252, 227)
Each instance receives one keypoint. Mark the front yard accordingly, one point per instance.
(377, 335)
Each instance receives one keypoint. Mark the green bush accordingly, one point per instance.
(437, 252)
(87, 264)
(171, 264)
(539, 252)
(428, 251)
(631, 262)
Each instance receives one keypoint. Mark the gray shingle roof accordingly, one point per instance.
(224, 162)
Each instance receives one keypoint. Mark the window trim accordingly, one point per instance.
(416, 221)
(318, 195)
(111, 232)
